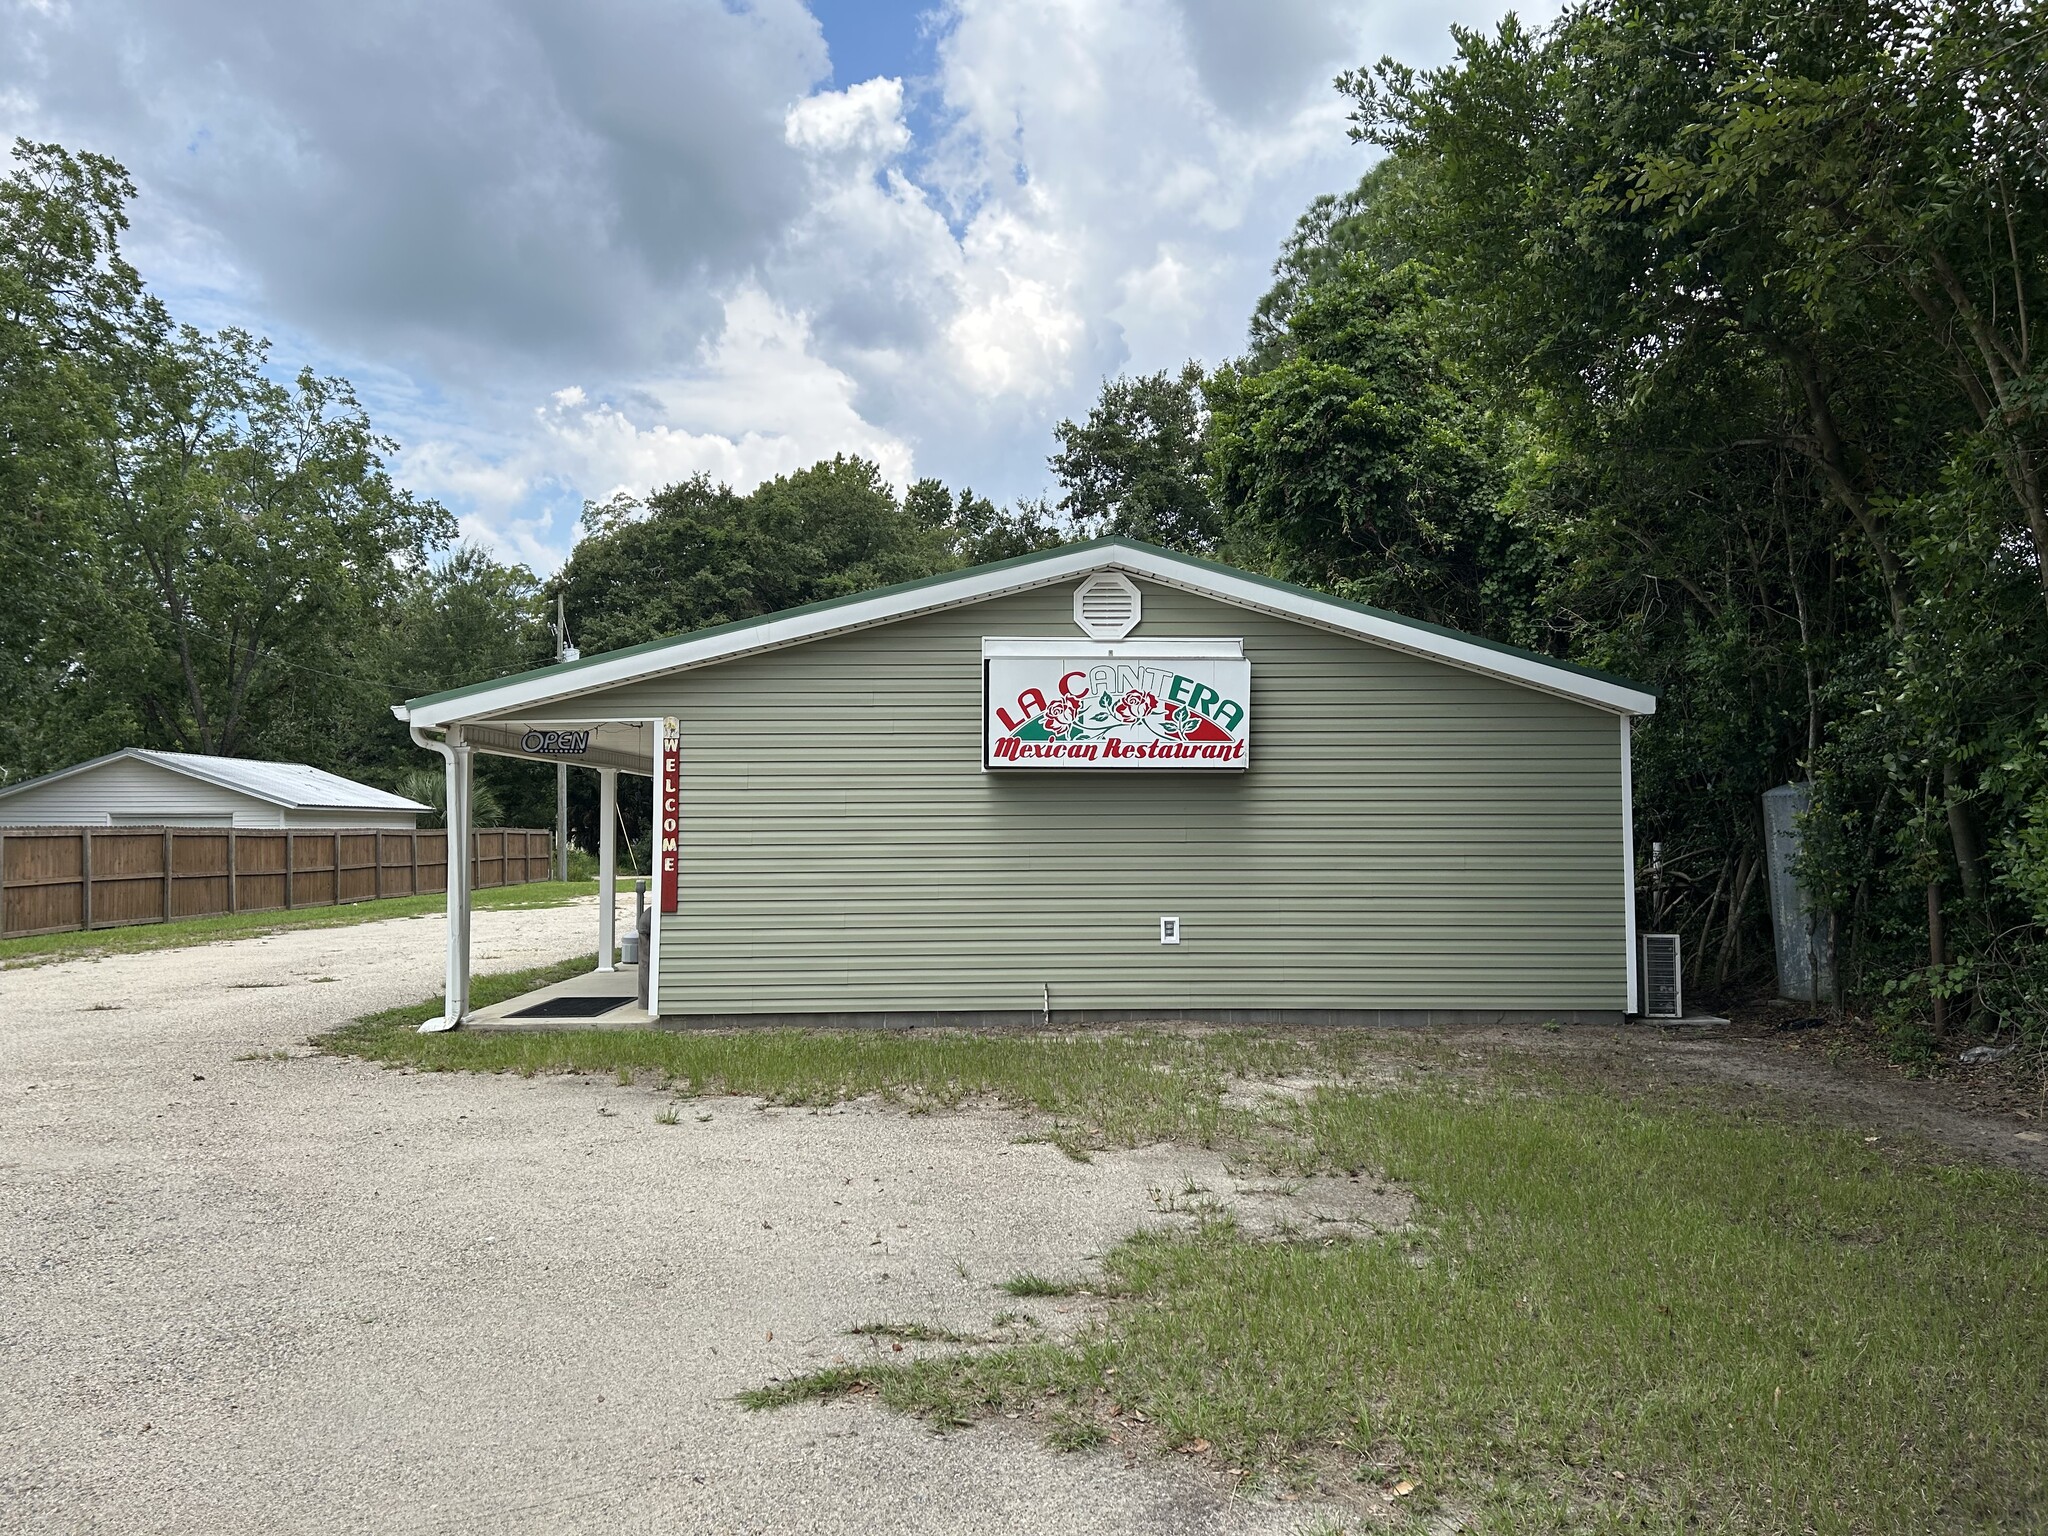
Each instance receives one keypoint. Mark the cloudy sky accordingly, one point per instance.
(566, 249)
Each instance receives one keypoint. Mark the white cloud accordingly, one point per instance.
(759, 405)
(864, 120)
(569, 251)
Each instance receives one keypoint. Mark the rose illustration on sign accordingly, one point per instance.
(1061, 717)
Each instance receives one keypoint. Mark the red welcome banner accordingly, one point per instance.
(671, 813)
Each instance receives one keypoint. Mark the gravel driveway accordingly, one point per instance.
(313, 1295)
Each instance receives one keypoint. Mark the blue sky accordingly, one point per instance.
(867, 38)
(569, 251)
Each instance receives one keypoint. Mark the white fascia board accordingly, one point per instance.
(972, 587)
(1108, 650)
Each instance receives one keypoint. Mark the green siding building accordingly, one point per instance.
(1398, 824)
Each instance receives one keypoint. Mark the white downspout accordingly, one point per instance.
(455, 763)
(607, 865)
(1628, 864)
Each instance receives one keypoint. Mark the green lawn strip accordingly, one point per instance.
(1119, 1089)
(1759, 1327)
(44, 948)
(403, 1022)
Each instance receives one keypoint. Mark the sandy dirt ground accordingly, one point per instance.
(1792, 1073)
(240, 1293)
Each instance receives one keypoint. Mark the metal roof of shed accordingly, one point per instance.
(295, 786)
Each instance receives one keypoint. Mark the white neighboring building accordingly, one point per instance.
(139, 787)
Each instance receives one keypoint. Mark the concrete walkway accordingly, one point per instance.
(306, 1295)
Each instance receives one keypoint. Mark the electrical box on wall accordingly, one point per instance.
(1169, 930)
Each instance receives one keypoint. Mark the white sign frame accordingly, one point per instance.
(1157, 705)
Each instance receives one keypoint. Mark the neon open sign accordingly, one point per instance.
(556, 743)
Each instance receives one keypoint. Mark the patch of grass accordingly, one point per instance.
(1614, 1316)
(667, 1115)
(1039, 1285)
(403, 1022)
(1119, 1089)
(1073, 1432)
(950, 1392)
(44, 948)
(1062, 1138)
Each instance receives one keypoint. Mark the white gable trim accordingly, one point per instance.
(149, 759)
(549, 686)
(64, 773)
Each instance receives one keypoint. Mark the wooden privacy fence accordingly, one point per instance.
(57, 879)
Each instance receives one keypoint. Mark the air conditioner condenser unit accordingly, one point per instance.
(1660, 976)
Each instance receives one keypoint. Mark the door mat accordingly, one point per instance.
(570, 1008)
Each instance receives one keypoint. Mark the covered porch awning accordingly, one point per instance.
(625, 746)
(608, 747)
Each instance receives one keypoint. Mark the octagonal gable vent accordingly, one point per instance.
(1107, 607)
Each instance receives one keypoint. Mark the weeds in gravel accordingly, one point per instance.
(910, 1333)
(1611, 1318)
(1098, 1089)
(1613, 1313)
(1039, 1285)
(1073, 1432)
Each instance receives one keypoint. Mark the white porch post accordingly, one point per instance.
(561, 821)
(461, 768)
(467, 758)
(607, 864)
(455, 760)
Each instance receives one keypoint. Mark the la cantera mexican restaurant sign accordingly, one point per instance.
(1117, 707)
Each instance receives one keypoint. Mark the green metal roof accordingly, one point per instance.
(1195, 567)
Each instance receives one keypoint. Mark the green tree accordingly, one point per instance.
(1751, 277)
(696, 553)
(69, 305)
(250, 527)
(974, 529)
(1357, 463)
(197, 555)
(1134, 467)
(429, 786)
